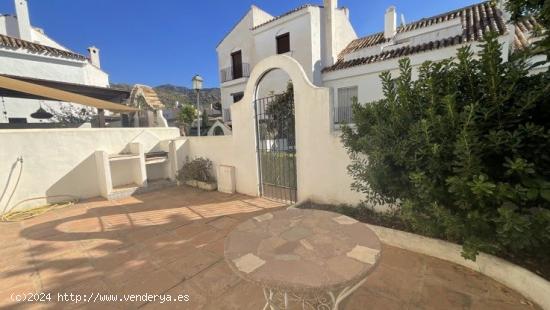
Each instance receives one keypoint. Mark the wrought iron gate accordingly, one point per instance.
(275, 140)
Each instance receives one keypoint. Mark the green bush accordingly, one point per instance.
(187, 115)
(199, 169)
(463, 151)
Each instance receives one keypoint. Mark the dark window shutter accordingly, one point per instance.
(237, 64)
(283, 43)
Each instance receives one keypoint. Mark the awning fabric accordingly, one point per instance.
(61, 95)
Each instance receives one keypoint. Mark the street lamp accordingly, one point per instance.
(197, 86)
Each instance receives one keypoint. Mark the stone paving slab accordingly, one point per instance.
(172, 241)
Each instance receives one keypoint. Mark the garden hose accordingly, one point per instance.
(16, 215)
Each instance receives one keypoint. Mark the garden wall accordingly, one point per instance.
(321, 159)
(60, 162)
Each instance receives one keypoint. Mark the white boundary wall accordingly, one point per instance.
(62, 162)
(321, 158)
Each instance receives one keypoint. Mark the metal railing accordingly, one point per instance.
(233, 73)
(343, 115)
(227, 115)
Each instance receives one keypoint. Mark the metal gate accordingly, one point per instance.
(275, 140)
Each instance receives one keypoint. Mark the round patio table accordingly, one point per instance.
(314, 259)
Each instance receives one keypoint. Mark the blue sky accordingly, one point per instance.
(168, 41)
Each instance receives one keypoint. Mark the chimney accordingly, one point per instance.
(390, 23)
(23, 20)
(330, 31)
(94, 56)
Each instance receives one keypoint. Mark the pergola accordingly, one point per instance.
(102, 98)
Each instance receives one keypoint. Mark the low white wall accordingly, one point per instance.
(230, 151)
(59, 162)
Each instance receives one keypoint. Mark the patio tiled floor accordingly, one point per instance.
(171, 242)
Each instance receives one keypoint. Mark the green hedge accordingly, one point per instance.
(463, 151)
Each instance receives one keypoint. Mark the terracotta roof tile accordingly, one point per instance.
(477, 20)
(523, 27)
(287, 13)
(15, 43)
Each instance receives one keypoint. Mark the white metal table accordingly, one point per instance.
(311, 258)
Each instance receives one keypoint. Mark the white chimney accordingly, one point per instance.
(94, 56)
(23, 20)
(390, 23)
(329, 11)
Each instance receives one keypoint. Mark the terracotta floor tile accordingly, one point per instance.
(364, 299)
(394, 283)
(224, 223)
(216, 280)
(243, 295)
(187, 232)
(172, 241)
(9, 297)
(190, 265)
(434, 296)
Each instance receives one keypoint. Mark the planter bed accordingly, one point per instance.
(207, 186)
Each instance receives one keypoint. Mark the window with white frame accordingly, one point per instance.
(342, 109)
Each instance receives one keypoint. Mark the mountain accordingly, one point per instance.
(169, 94)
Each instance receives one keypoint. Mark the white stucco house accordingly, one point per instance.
(316, 48)
(323, 41)
(28, 54)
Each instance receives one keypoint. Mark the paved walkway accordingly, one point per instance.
(171, 242)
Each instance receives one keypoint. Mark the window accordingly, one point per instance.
(237, 96)
(17, 120)
(343, 111)
(237, 64)
(283, 43)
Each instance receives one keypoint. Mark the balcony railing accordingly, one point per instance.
(226, 115)
(233, 73)
(343, 115)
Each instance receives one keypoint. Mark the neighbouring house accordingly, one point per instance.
(291, 131)
(218, 128)
(150, 108)
(44, 84)
(323, 41)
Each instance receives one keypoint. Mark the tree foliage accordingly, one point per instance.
(187, 115)
(280, 115)
(463, 151)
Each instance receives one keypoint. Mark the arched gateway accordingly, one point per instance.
(276, 136)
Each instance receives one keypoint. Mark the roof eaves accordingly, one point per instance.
(489, 18)
(15, 43)
(286, 14)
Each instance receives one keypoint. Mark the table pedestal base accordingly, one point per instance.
(328, 300)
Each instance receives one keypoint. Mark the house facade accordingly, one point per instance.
(26, 51)
(299, 156)
(323, 41)
(299, 33)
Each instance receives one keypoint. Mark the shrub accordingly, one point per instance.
(199, 169)
(463, 151)
(187, 115)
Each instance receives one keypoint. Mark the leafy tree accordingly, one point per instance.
(462, 151)
(540, 10)
(188, 114)
(280, 115)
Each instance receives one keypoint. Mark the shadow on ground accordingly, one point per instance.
(171, 242)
